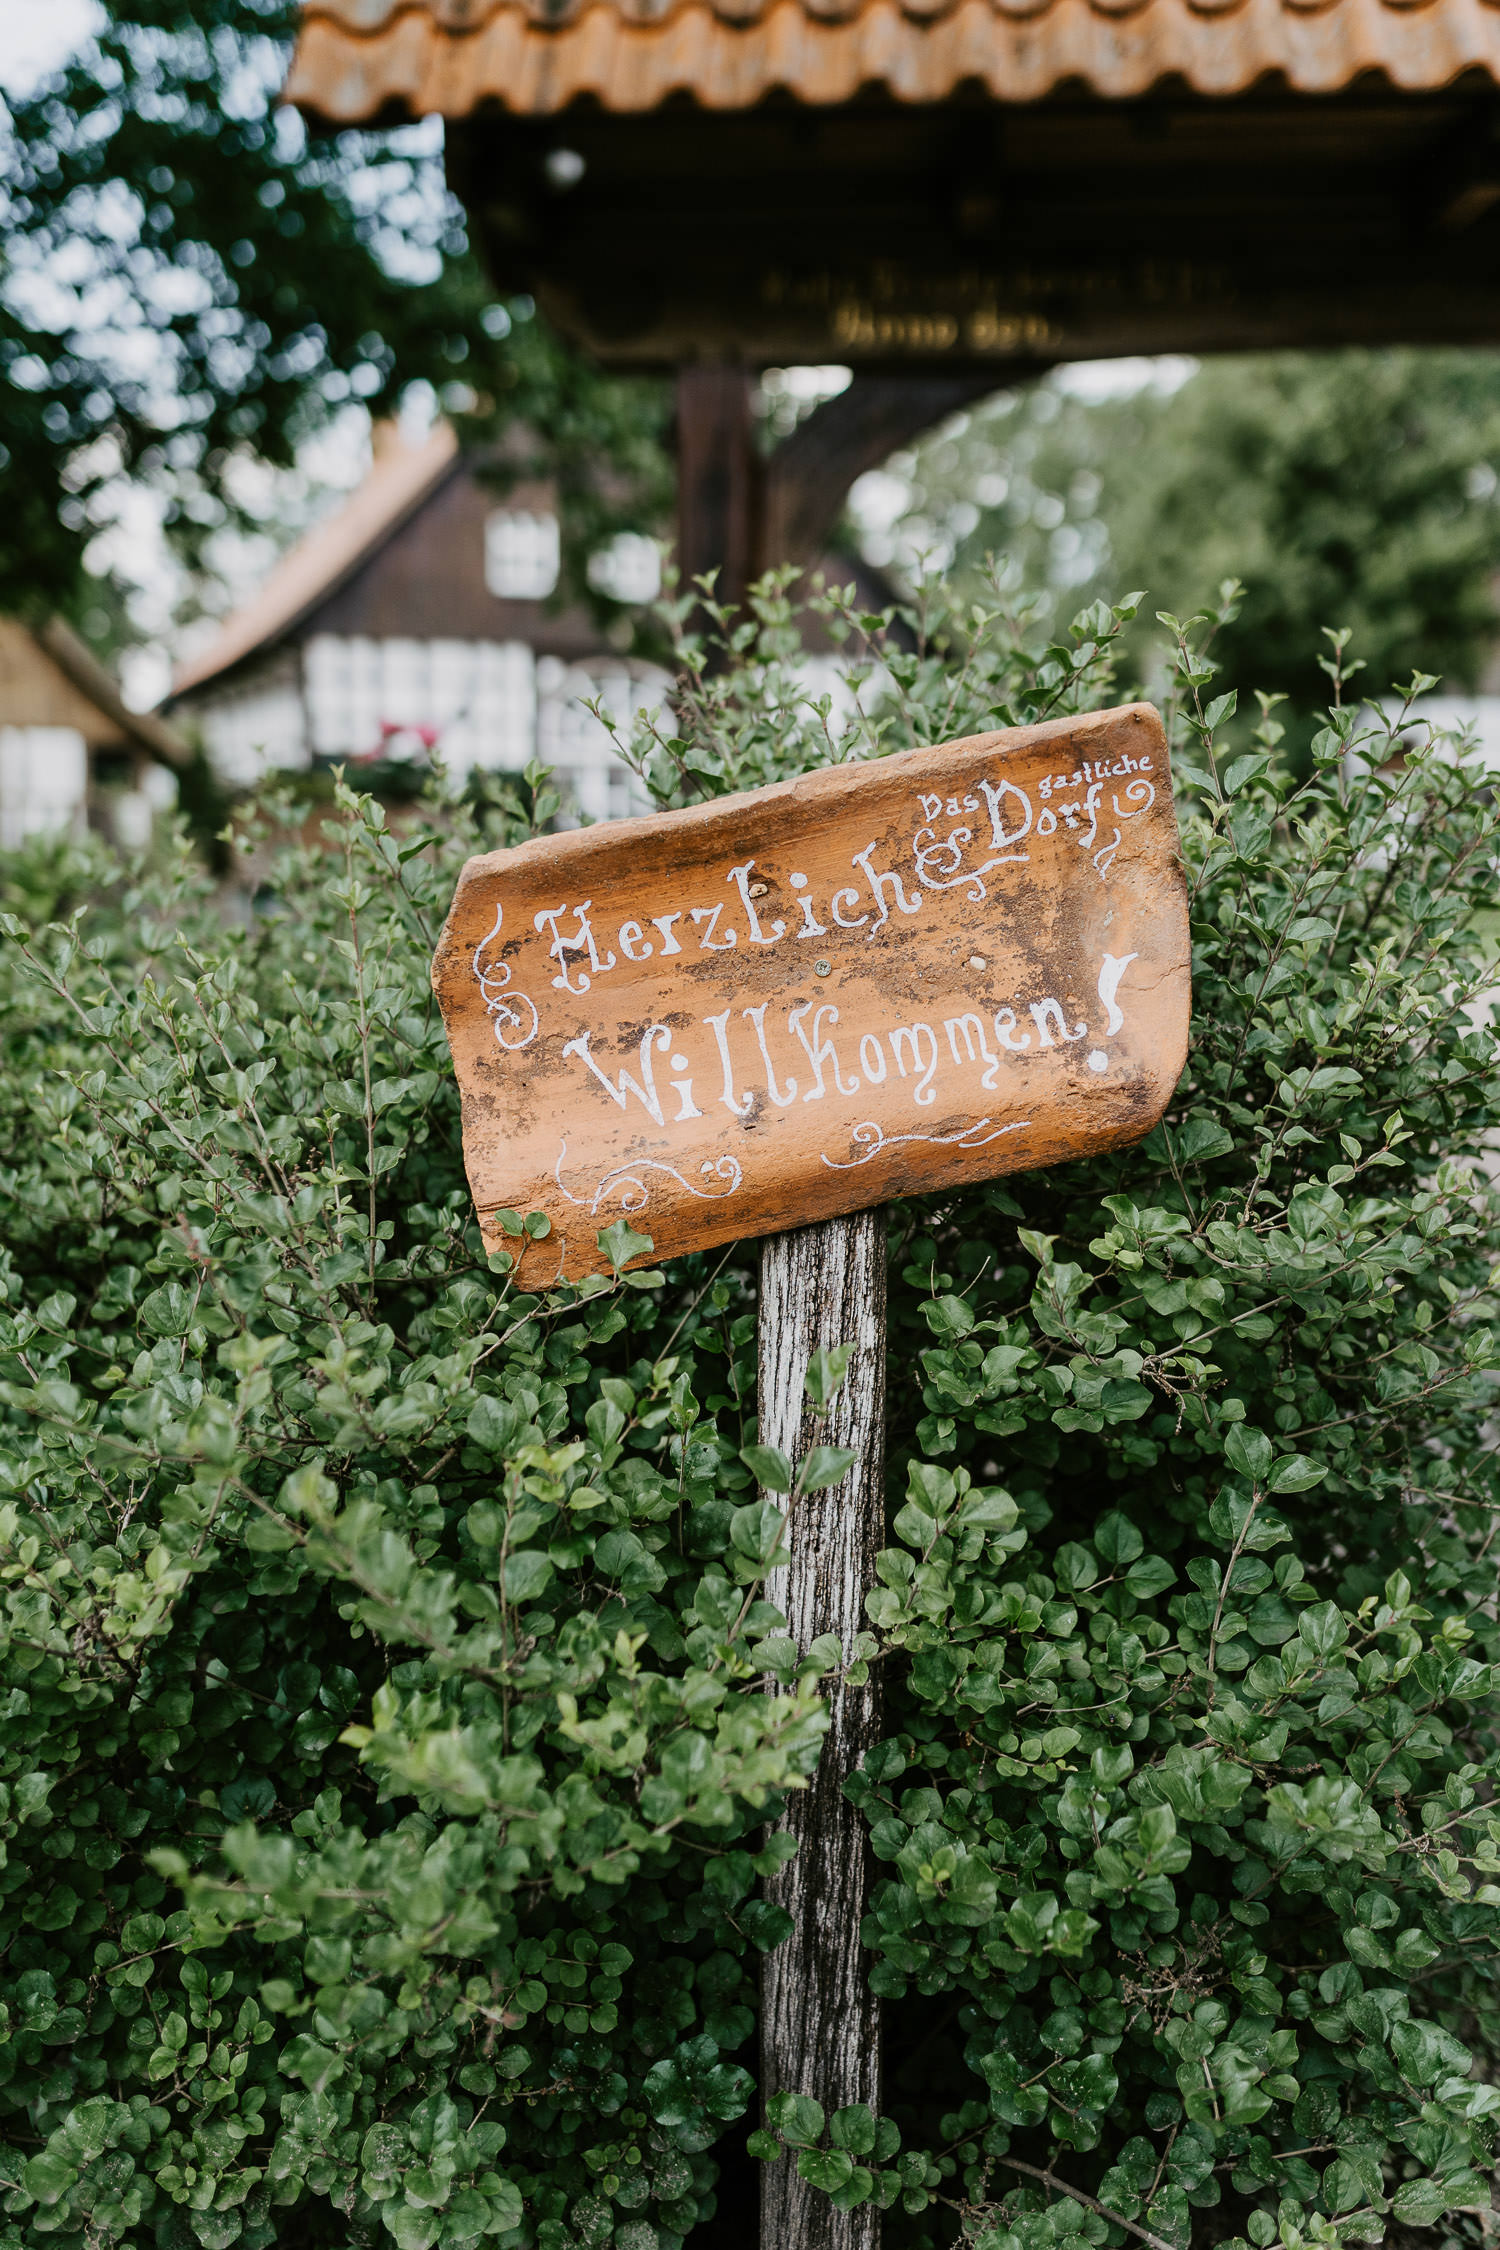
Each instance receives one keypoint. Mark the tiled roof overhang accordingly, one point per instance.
(357, 59)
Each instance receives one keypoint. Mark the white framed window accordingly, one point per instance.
(628, 569)
(522, 554)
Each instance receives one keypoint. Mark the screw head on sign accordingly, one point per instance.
(822, 968)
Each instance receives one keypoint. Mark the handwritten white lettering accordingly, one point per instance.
(656, 1035)
(719, 1026)
(877, 881)
(1114, 968)
(914, 1048)
(740, 877)
(1002, 838)
(581, 941)
(913, 1035)
(811, 926)
(819, 1050)
(708, 943)
(976, 1045)
(1044, 1012)
(683, 1089)
(757, 1016)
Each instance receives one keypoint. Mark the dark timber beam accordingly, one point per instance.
(718, 478)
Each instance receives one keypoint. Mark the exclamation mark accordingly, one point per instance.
(1115, 965)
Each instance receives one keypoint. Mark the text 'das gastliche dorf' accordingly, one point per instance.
(880, 979)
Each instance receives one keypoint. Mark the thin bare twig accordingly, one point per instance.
(1090, 2203)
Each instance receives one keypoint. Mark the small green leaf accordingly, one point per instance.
(495, 1424)
(756, 1532)
(826, 1371)
(1294, 1472)
(825, 1465)
(1249, 1451)
(1419, 2203)
(1117, 1540)
(797, 2118)
(770, 1468)
(1240, 770)
(620, 1243)
(853, 2129)
(48, 2177)
(826, 2168)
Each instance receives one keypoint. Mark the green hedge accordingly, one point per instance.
(387, 1767)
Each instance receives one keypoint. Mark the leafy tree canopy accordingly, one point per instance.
(1355, 486)
(190, 274)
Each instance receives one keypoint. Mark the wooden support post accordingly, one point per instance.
(718, 478)
(820, 2024)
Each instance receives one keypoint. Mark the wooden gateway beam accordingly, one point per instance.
(903, 238)
(741, 512)
(807, 478)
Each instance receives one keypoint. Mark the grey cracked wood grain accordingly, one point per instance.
(820, 2024)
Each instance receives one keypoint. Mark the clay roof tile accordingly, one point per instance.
(358, 58)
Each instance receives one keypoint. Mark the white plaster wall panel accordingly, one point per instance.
(474, 702)
(256, 729)
(501, 729)
(628, 569)
(131, 819)
(342, 686)
(44, 779)
(596, 783)
(406, 697)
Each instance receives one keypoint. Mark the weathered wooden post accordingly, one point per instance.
(820, 2022)
(764, 1016)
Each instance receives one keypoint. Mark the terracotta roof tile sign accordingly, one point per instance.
(773, 1008)
(359, 58)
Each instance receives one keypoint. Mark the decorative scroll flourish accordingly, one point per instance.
(625, 1183)
(949, 856)
(509, 1012)
(1140, 796)
(874, 1142)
